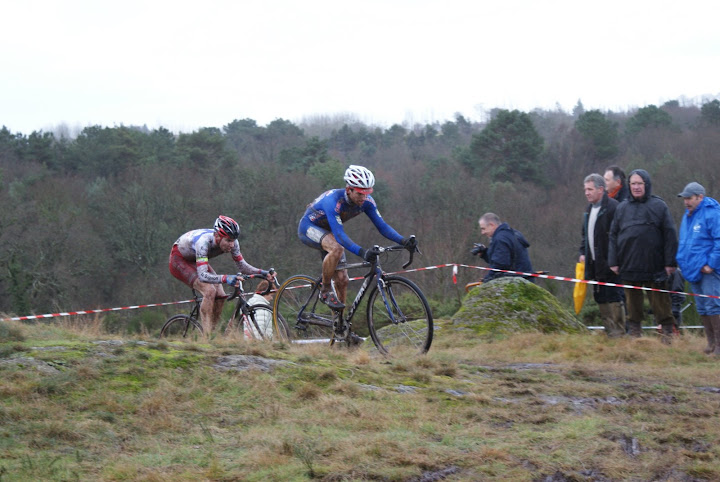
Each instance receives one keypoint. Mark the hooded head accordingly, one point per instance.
(647, 185)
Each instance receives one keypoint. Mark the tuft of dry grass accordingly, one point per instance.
(85, 325)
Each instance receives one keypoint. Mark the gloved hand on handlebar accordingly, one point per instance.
(230, 279)
(478, 248)
(269, 274)
(410, 243)
(369, 254)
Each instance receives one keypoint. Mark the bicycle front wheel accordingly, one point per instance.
(181, 326)
(298, 308)
(399, 317)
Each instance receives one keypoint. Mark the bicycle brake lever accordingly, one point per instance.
(275, 280)
(412, 255)
(236, 290)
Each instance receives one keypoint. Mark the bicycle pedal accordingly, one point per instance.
(301, 326)
(340, 332)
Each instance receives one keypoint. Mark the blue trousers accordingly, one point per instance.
(709, 284)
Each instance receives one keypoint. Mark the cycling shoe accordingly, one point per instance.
(331, 300)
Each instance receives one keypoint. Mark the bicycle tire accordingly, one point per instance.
(315, 323)
(414, 329)
(181, 326)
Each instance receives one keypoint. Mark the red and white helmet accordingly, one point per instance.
(360, 178)
(227, 227)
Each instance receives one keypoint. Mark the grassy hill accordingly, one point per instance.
(80, 404)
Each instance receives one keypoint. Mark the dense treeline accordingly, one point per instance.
(88, 219)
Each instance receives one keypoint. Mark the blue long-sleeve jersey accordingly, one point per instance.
(332, 208)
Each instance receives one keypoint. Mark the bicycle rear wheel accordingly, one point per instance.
(181, 326)
(399, 317)
(298, 308)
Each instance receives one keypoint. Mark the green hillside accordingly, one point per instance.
(77, 403)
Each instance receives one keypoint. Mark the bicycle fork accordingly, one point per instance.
(386, 292)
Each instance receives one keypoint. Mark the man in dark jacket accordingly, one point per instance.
(507, 250)
(615, 184)
(594, 250)
(643, 243)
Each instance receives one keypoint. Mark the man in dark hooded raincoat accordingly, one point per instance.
(643, 243)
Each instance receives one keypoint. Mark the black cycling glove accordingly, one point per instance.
(409, 243)
(369, 254)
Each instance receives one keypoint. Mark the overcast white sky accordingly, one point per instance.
(184, 65)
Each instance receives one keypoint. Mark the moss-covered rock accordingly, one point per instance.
(511, 305)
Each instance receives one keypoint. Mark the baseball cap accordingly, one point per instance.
(692, 189)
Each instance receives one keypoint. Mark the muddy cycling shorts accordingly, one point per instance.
(183, 269)
(312, 236)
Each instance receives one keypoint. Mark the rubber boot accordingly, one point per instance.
(605, 317)
(610, 313)
(709, 333)
(617, 311)
(715, 319)
(667, 334)
(634, 329)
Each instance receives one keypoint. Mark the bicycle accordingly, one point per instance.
(398, 314)
(257, 317)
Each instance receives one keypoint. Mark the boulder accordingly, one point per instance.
(512, 305)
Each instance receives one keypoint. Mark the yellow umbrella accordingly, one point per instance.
(580, 288)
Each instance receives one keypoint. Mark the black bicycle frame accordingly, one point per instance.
(376, 273)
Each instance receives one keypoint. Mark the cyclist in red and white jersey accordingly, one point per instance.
(189, 262)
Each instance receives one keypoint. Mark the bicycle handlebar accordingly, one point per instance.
(244, 277)
(398, 247)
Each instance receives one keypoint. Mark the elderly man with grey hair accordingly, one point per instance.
(597, 220)
(643, 244)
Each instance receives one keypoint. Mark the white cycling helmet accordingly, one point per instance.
(360, 178)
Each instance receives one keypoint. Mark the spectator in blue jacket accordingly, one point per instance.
(699, 257)
(507, 250)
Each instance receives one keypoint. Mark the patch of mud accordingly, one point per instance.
(591, 402)
(247, 362)
(588, 474)
(29, 362)
(49, 348)
(405, 389)
(455, 393)
(371, 388)
(532, 366)
(709, 389)
(577, 403)
(434, 475)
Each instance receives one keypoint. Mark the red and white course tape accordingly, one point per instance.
(454, 267)
(89, 312)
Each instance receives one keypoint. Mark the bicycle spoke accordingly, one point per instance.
(297, 305)
(181, 326)
(399, 317)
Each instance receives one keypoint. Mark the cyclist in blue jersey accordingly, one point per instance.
(321, 228)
